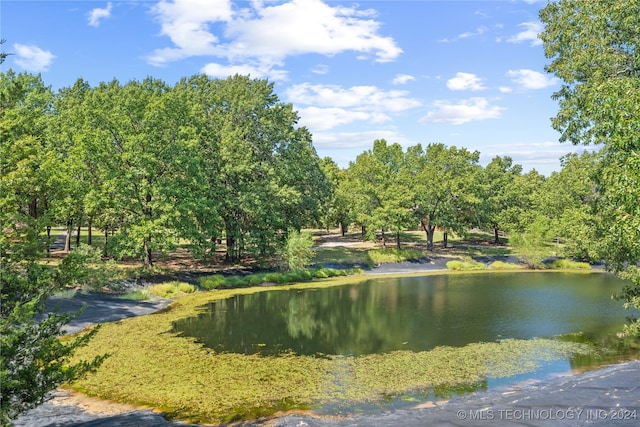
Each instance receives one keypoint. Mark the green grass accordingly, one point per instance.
(570, 265)
(137, 295)
(467, 264)
(172, 289)
(383, 256)
(188, 381)
(341, 255)
(501, 265)
(218, 281)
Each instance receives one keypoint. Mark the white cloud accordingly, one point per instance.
(320, 69)
(268, 34)
(319, 119)
(328, 106)
(357, 140)
(465, 81)
(467, 110)
(530, 33)
(478, 32)
(186, 23)
(97, 14)
(364, 98)
(529, 79)
(32, 58)
(255, 71)
(401, 79)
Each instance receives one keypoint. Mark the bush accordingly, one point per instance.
(570, 265)
(298, 250)
(212, 282)
(501, 265)
(465, 265)
(172, 289)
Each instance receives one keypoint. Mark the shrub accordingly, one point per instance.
(255, 279)
(570, 264)
(465, 265)
(212, 282)
(298, 250)
(171, 289)
(501, 265)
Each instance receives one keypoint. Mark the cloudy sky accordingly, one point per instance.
(463, 73)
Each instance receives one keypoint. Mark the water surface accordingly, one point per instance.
(413, 313)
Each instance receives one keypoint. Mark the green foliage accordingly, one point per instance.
(214, 281)
(172, 289)
(501, 265)
(84, 267)
(468, 264)
(381, 256)
(570, 265)
(531, 243)
(593, 48)
(444, 187)
(297, 251)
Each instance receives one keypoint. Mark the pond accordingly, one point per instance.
(412, 313)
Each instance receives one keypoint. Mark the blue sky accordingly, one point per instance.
(463, 73)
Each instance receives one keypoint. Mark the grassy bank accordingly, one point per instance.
(152, 366)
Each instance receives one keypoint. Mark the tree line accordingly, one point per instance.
(151, 165)
(210, 160)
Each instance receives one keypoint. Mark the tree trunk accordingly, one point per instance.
(89, 241)
(496, 235)
(364, 231)
(343, 228)
(398, 239)
(78, 237)
(445, 239)
(430, 230)
(48, 241)
(67, 239)
(106, 239)
(146, 245)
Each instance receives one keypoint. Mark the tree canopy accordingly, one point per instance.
(594, 49)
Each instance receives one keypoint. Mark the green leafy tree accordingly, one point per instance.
(380, 198)
(567, 199)
(144, 150)
(261, 170)
(336, 210)
(498, 198)
(32, 359)
(593, 48)
(297, 251)
(444, 184)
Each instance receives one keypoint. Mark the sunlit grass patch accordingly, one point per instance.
(467, 264)
(172, 289)
(570, 265)
(501, 265)
(383, 256)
